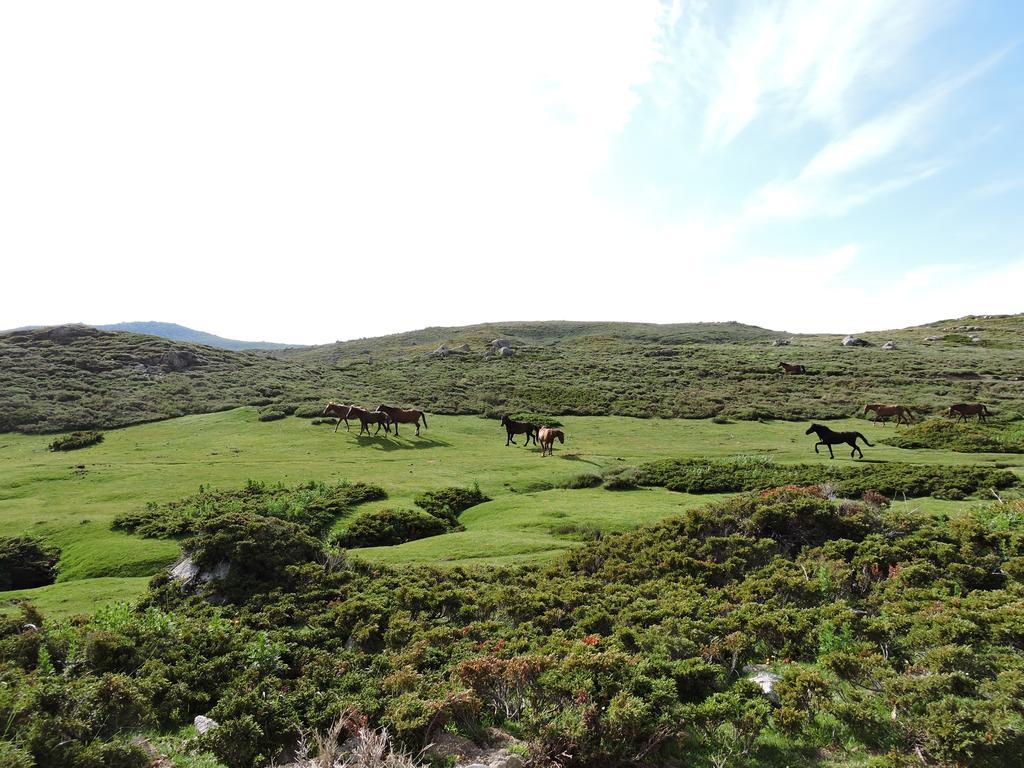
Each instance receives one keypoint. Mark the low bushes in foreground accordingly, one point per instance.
(26, 563)
(945, 434)
(895, 640)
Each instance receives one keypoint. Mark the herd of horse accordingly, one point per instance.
(388, 416)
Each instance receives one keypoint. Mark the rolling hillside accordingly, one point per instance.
(68, 377)
(177, 332)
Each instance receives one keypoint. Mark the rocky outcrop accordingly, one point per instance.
(853, 341)
(179, 360)
(444, 350)
(204, 724)
(889, 345)
(781, 343)
(188, 573)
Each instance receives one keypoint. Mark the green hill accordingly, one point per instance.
(72, 377)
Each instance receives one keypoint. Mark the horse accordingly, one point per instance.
(370, 417)
(883, 412)
(963, 410)
(339, 410)
(547, 437)
(519, 428)
(828, 438)
(792, 368)
(404, 416)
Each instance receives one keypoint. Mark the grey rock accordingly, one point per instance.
(180, 360)
(781, 343)
(505, 351)
(764, 678)
(204, 724)
(933, 338)
(188, 573)
(889, 345)
(853, 341)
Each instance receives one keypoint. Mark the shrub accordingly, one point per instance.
(76, 440)
(584, 480)
(540, 419)
(945, 434)
(26, 563)
(623, 479)
(272, 413)
(449, 503)
(390, 526)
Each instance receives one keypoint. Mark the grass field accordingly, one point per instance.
(70, 499)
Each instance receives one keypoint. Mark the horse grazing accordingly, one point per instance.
(519, 428)
(828, 438)
(964, 410)
(547, 437)
(883, 412)
(404, 416)
(370, 417)
(792, 368)
(338, 410)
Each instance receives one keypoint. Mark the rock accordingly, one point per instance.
(188, 573)
(446, 746)
(853, 341)
(441, 351)
(889, 345)
(499, 343)
(933, 338)
(62, 334)
(975, 339)
(179, 360)
(204, 724)
(781, 343)
(444, 350)
(507, 761)
(967, 328)
(764, 678)
(505, 351)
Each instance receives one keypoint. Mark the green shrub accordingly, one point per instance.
(389, 526)
(272, 413)
(26, 563)
(76, 440)
(309, 410)
(449, 503)
(583, 480)
(946, 434)
(623, 479)
(890, 479)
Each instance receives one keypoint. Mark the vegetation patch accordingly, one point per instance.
(945, 434)
(448, 503)
(76, 440)
(313, 506)
(387, 527)
(26, 563)
(890, 479)
(640, 644)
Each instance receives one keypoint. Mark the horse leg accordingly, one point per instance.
(830, 454)
(508, 438)
(816, 446)
(346, 426)
(417, 427)
(336, 426)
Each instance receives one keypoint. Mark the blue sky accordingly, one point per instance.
(333, 171)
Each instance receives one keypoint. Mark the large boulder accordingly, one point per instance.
(889, 345)
(853, 341)
(781, 343)
(204, 724)
(179, 360)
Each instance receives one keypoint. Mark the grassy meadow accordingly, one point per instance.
(69, 499)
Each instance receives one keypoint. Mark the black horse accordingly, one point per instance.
(828, 438)
(519, 428)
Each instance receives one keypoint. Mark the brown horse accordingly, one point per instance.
(883, 412)
(338, 410)
(547, 436)
(963, 410)
(792, 368)
(370, 417)
(404, 416)
(519, 428)
(828, 438)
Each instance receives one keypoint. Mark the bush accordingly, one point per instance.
(945, 434)
(76, 440)
(272, 413)
(623, 479)
(390, 526)
(584, 480)
(449, 503)
(26, 563)
(890, 479)
(540, 419)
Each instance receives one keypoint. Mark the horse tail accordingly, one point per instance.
(424, 417)
(858, 434)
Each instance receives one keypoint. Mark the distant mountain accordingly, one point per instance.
(177, 332)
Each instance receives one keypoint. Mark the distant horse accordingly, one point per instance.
(792, 368)
(519, 428)
(370, 417)
(547, 436)
(404, 416)
(963, 410)
(338, 410)
(828, 438)
(883, 412)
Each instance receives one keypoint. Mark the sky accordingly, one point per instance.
(306, 172)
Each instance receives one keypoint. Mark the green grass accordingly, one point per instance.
(70, 499)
